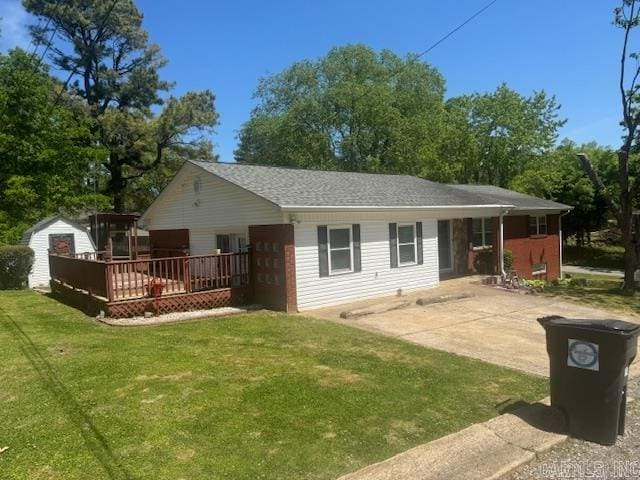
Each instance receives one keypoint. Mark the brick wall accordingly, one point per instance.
(273, 266)
(528, 251)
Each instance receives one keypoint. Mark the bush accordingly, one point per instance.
(484, 262)
(508, 259)
(15, 264)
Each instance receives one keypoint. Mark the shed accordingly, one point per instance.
(59, 235)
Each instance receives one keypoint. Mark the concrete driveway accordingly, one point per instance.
(491, 324)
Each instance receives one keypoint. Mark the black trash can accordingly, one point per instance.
(589, 362)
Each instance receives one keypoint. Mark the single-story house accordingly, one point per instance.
(58, 235)
(321, 238)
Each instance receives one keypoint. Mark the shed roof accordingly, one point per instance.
(293, 187)
(520, 201)
(44, 223)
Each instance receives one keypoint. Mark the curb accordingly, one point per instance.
(483, 451)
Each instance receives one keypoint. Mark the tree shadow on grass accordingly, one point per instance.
(94, 440)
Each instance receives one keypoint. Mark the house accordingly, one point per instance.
(56, 234)
(321, 238)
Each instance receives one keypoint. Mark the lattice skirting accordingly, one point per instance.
(227, 297)
(78, 298)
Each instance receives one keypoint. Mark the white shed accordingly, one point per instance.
(58, 234)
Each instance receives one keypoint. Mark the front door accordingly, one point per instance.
(444, 246)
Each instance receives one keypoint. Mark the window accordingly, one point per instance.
(539, 268)
(223, 242)
(340, 250)
(481, 232)
(538, 225)
(406, 244)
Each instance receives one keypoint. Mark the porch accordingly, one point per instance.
(124, 288)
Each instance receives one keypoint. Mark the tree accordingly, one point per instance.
(103, 46)
(46, 153)
(621, 202)
(558, 176)
(495, 135)
(353, 109)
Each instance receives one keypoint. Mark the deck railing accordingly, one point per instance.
(129, 279)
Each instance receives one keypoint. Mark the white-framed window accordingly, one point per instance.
(537, 225)
(539, 268)
(406, 243)
(481, 232)
(340, 247)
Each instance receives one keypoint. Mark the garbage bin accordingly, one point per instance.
(589, 362)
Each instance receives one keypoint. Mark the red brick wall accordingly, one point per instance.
(273, 266)
(528, 251)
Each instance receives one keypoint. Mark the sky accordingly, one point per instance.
(569, 48)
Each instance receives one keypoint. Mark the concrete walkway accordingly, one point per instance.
(483, 451)
(491, 324)
(608, 272)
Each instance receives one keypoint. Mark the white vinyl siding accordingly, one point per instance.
(39, 243)
(376, 278)
(196, 200)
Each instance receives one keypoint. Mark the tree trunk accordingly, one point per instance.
(117, 184)
(630, 256)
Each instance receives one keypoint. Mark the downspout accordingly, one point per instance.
(560, 240)
(501, 243)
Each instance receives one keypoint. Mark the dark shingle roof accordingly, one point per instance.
(288, 187)
(520, 200)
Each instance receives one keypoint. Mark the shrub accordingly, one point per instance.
(508, 259)
(484, 263)
(15, 264)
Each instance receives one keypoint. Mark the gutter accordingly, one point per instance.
(341, 208)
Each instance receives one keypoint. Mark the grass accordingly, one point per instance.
(261, 396)
(598, 256)
(599, 290)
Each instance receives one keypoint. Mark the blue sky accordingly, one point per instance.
(568, 48)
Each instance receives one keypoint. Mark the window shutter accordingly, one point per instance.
(393, 244)
(323, 253)
(419, 243)
(357, 260)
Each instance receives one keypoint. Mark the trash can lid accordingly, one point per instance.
(612, 326)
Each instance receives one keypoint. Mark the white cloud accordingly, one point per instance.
(13, 25)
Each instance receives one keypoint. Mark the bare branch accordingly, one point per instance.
(597, 181)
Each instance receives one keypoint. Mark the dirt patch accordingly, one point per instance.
(333, 377)
(157, 398)
(174, 377)
(61, 350)
(399, 429)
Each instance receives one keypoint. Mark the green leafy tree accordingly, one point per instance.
(353, 109)
(114, 68)
(559, 176)
(46, 153)
(495, 135)
(624, 197)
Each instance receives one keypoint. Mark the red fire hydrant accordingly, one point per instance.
(155, 291)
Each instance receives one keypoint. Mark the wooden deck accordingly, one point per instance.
(183, 280)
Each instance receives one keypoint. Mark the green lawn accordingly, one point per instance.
(600, 291)
(598, 256)
(247, 397)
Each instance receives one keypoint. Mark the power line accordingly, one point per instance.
(468, 20)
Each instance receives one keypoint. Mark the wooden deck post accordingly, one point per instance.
(187, 275)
